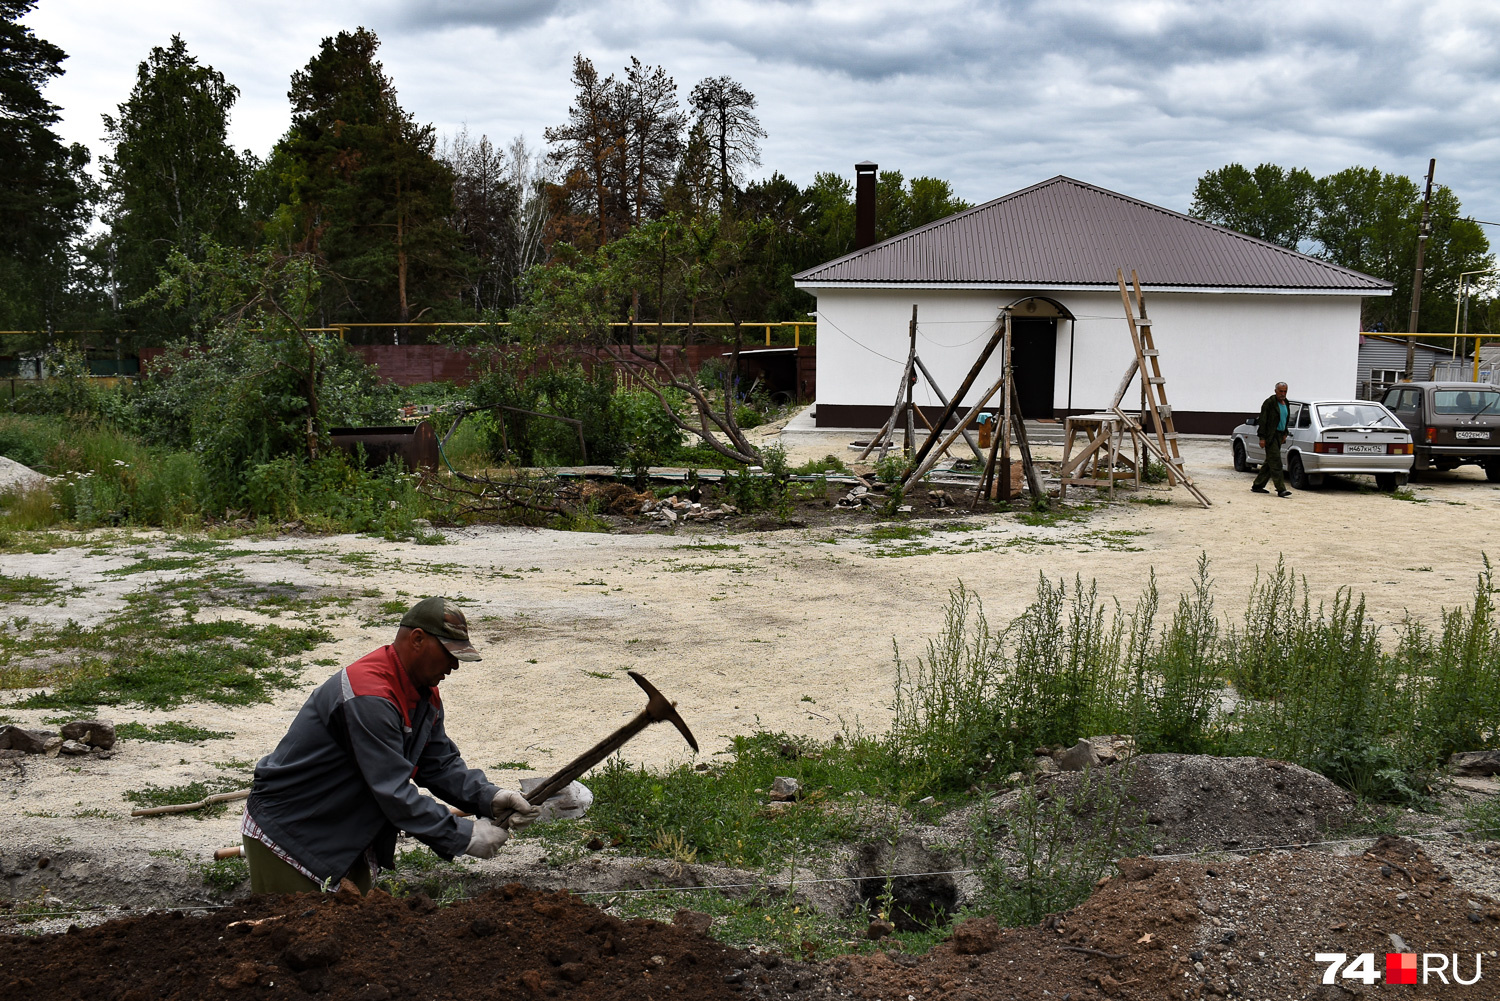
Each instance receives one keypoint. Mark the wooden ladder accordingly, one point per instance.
(1161, 439)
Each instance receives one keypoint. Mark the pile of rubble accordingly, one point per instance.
(671, 510)
(82, 736)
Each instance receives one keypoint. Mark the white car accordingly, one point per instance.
(1333, 436)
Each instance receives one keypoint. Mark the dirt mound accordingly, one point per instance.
(1247, 928)
(512, 942)
(1200, 802)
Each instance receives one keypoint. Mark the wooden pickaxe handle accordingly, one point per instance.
(658, 710)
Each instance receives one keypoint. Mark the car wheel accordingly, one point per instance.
(1386, 481)
(1296, 475)
(1492, 471)
(1241, 465)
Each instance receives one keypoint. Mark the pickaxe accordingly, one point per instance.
(658, 710)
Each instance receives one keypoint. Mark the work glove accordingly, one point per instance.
(486, 840)
(509, 799)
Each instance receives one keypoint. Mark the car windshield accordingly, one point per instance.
(1466, 401)
(1354, 415)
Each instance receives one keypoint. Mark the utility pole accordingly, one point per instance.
(1423, 232)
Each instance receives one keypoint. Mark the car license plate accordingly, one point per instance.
(1364, 449)
(1471, 435)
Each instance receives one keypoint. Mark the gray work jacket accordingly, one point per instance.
(345, 776)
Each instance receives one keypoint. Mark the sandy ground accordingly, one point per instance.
(741, 637)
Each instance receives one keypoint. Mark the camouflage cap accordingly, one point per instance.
(441, 619)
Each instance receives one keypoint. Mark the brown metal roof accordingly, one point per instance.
(1065, 232)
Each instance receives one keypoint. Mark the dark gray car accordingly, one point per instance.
(1452, 423)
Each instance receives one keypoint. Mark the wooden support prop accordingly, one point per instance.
(888, 429)
(920, 459)
(1028, 465)
(911, 380)
(1008, 396)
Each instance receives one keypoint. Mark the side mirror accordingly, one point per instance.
(1253, 421)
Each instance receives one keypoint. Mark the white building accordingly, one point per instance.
(1232, 315)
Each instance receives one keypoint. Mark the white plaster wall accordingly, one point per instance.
(1219, 353)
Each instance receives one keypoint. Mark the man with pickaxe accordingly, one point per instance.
(327, 803)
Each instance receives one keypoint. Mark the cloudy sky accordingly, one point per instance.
(1141, 96)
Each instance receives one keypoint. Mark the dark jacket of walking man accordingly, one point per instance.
(1272, 426)
(327, 803)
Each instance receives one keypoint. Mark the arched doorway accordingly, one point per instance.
(1033, 354)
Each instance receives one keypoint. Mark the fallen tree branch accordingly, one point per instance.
(222, 797)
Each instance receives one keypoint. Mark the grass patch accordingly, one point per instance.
(27, 590)
(1148, 500)
(1482, 819)
(823, 466)
(224, 876)
(886, 533)
(155, 656)
(168, 732)
(722, 816)
(158, 564)
(1045, 517)
(1404, 494)
(711, 547)
(515, 766)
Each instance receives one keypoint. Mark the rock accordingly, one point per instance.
(693, 921)
(976, 936)
(53, 747)
(30, 741)
(570, 804)
(784, 789)
(669, 515)
(421, 524)
(1112, 747)
(1046, 766)
(93, 732)
(15, 476)
(1078, 757)
(6, 753)
(74, 747)
(879, 930)
(1475, 763)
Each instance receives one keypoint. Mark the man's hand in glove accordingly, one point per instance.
(508, 799)
(486, 840)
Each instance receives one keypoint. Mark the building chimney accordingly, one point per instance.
(864, 204)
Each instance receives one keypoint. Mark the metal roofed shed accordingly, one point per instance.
(1233, 314)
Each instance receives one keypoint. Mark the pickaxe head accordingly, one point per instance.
(658, 709)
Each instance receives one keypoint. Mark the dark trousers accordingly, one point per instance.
(1271, 468)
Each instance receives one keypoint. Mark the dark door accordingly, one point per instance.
(1034, 357)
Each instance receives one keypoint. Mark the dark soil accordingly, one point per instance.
(508, 943)
(1246, 929)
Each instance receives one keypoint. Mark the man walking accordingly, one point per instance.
(327, 803)
(1272, 425)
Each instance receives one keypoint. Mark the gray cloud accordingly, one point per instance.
(1140, 95)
